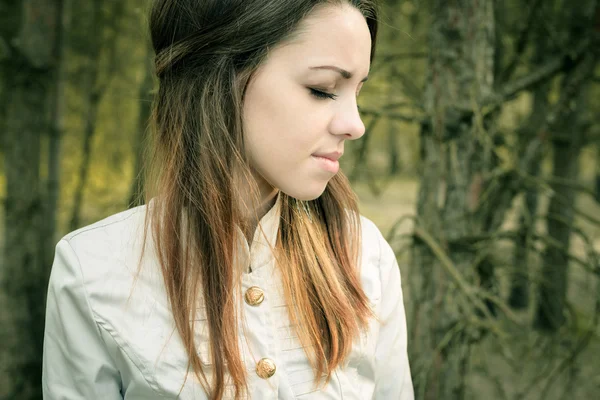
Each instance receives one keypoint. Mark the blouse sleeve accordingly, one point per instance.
(392, 379)
(76, 363)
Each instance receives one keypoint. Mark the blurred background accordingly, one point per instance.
(480, 165)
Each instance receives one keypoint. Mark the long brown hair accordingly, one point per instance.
(206, 53)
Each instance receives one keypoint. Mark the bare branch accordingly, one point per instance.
(403, 104)
(384, 60)
(547, 240)
(387, 57)
(551, 377)
(522, 40)
(543, 73)
(513, 235)
(392, 115)
(408, 84)
(552, 180)
(469, 291)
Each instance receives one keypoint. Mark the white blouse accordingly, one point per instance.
(105, 341)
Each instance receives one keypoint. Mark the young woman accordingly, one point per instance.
(249, 273)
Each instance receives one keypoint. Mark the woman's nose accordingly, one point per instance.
(348, 122)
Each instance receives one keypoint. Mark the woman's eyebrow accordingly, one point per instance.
(345, 74)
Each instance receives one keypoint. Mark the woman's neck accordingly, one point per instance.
(257, 212)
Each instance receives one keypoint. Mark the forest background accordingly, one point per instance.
(480, 165)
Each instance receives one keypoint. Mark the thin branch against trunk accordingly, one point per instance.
(136, 190)
(90, 128)
(467, 289)
(387, 59)
(522, 40)
(98, 84)
(402, 104)
(392, 115)
(548, 70)
(554, 118)
(548, 181)
(402, 56)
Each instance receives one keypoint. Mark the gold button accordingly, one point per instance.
(265, 368)
(254, 296)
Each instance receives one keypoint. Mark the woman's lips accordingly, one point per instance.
(328, 164)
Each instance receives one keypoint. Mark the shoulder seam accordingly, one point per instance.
(74, 234)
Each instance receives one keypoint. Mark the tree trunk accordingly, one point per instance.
(553, 280)
(567, 137)
(57, 117)
(145, 95)
(392, 131)
(27, 72)
(97, 87)
(519, 290)
(394, 155)
(93, 100)
(597, 178)
(86, 158)
(519, 285)
(456, 155)
(567, 141)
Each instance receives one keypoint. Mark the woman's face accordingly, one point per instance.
(298, 106)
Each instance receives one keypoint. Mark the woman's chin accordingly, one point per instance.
(306, 193)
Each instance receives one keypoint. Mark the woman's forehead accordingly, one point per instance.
(338, 36)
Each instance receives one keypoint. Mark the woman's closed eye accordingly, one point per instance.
(322, 95)
(325, 95)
